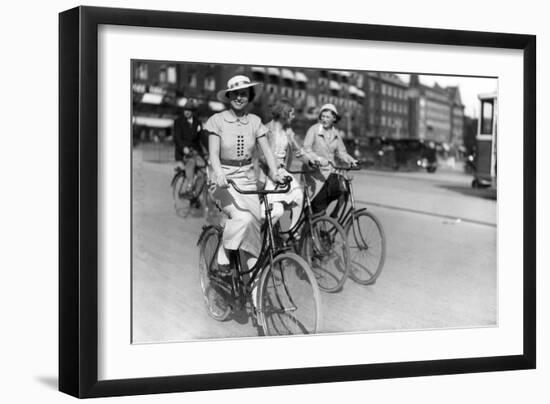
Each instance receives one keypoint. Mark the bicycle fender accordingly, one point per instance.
(205, 230)
(350, 217)
(176, 176)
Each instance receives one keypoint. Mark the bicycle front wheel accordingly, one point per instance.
(182, 202)
(215, 296)
(326, 249)
(289, 301)
(367, 244)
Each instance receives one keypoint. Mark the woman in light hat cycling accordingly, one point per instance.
(233, 135)
(322, 145)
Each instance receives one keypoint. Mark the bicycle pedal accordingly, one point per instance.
(222, 270)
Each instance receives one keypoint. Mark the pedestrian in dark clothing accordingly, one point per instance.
(187, 131)
(187, 141)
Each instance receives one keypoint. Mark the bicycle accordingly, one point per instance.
(288, 300)
(365, 235)
(186, 199)
(322, 241)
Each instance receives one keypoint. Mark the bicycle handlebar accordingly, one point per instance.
(356, 167)
(316, 166)
(286, 185)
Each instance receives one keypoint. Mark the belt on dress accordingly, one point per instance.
(236, 163)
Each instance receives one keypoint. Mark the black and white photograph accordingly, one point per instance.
(283, 200)
(234, 202)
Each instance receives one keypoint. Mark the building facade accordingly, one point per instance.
(435, 113)
(457, 118)
(372, 104)
(387, 106)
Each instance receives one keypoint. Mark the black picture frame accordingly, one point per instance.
(78, 201)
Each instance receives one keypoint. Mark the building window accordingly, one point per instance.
(209, 83)
(171, 73)
(192, 80)
(258, 76)
(142, 71)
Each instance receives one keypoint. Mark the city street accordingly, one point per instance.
(440, 269)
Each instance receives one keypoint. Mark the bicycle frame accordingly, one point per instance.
(348, 210)
(179, 172)
(306, 214)
(240, 290)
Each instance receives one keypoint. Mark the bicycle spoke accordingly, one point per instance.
(289, 297)
(367, 246)
(213, 288)
(328, 254)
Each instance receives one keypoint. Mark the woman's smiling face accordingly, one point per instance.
(238, 99)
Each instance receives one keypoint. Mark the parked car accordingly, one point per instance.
(394, 154)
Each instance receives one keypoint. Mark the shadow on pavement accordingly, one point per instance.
(240, 316)
(485, 193)
(48, 381)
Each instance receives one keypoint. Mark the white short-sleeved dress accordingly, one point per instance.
(238, 137)
(279, 142)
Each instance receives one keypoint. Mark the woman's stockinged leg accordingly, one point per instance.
(223, 258)
(297, 207)
(277, 211)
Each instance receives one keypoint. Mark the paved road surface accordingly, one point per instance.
(439, 271)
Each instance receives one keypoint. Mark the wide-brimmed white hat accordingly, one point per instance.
(332, 108)
(238, 83)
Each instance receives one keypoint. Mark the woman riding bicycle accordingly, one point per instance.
(322, 145)
(233, 135)
(281, 139)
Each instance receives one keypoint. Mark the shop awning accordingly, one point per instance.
(287, 74)
(353, 90)
(216, 106)
(258, 69)
(273, 71)
(360, 93)
(333, 85)
(153, 122)
(151, 98)
(299, 76)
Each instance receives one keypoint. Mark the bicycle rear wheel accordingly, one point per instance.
(289, 301)
(326, 249)
(182, 199)
(213, 290)
(367, 244)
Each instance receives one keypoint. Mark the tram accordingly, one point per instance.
(485, 160)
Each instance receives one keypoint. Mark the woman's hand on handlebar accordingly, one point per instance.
(220, 180)
(318, 162)
(277, 177)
